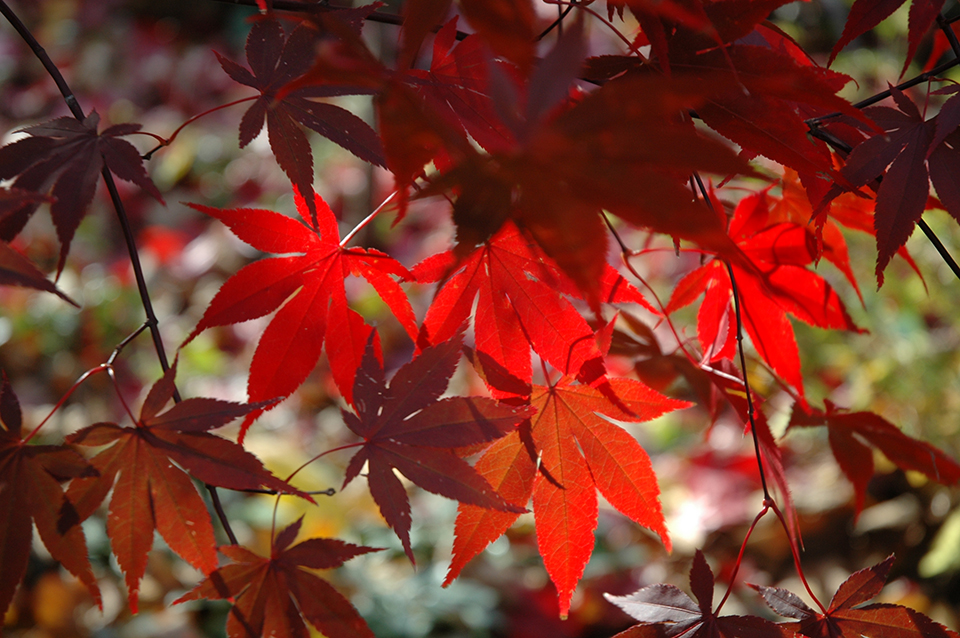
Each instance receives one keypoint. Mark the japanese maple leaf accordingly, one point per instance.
(150, 492)
(274, 63)
(307, 285)
(272, 596)
(65, 157)
(519, 306)
(407, 427)
(30, 494)
(455, 88)
(914, 152)
(579, 452)
(778, 284)
(848, 434)
(866, 14)
(665, 611)
(848, 617)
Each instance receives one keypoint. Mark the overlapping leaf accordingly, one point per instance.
(848, 617)
(65, 158)
(308, 288)
(579, 451)
(408, 428)
(150, 492)
(274, 63)
(665, 611)
(849, 430)
(779, 284)
(455, 88)
(272, 596)
(519, 306)
(30, 494)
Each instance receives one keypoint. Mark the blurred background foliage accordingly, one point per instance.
(152, 62)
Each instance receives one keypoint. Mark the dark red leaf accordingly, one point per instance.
(65, 157)
(407, 427)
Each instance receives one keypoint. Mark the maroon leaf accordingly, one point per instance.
(665, 611)
(275, 62)
(65, 158)
(407, 427)
(844, 619)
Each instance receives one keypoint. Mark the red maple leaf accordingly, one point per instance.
(30, 494)
(848, 617)
(914, 152)
(665, 611)
(308, 288)
(150, 492)
(275, 62)
(847, 432)
(519, 307)
(579, 452)
(66, 157)
(778, 283)
(455, 88)
(408, 428)
(272, 596)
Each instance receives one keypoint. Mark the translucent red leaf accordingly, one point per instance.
(579, 452)
(308, 288)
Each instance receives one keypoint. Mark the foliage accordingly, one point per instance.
(713, 150)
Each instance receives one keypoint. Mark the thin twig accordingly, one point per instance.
(151, 321)
(743, 362)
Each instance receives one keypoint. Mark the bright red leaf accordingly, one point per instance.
(847, 433)
(150, 492)
(272, 596)
(665, 611)
(407, 427)
(30, 494)
(308, 288)
(848, 617)
(579, 452)
(65, 157)
(779, 283)
(520, 306)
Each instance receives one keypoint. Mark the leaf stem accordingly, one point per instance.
(625, 254)
(168, 141)
(767, 504)
(796, 558)
(630, 45)
(743, 361)
(83, 377)
(366, 220)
